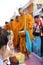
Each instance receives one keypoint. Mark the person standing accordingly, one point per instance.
(26, 23)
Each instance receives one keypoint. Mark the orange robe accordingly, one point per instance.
(8, 26)
(29, 24)
(27, 18)
(15, 26)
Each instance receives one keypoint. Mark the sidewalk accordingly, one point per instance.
(33, 60)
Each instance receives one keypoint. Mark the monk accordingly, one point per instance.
(15, 27)
(7, 26)
(26, 22)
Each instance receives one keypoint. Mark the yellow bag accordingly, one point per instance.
(20, 57)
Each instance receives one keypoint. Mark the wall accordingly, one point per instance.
(35, 2)
(30, 8)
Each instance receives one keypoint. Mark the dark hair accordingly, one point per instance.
(11, 20)
(36, 16)
(0, 27)
(17, 17)
(42, 29)
(2, 42)
(41, 16)
(6, 22)
(19, 9)
(5, 33)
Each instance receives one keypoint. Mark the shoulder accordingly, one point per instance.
(14, 22)
(29, 15)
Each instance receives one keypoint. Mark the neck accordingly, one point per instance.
(1, 53)
(22, 14)
(17, 21)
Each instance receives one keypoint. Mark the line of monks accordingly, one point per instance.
(22, 22)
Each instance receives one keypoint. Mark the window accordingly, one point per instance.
(39, 6)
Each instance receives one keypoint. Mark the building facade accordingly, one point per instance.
(33, 6)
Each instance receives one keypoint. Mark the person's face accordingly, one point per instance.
(21, 11)
(6, 24)
(36, 20)
(17, 19)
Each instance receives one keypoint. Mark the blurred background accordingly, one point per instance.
(8, 9)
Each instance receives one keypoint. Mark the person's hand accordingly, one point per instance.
(5, 61)
(13, 59)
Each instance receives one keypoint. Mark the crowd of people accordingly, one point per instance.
(9, 34)
(38, 32)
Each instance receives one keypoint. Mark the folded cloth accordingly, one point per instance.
(28, 42)
(20, 57)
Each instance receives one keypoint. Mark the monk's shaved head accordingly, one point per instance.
(17, 17)
(6, 22)
(21, 11)
(11, 20)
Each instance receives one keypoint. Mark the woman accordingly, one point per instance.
(37, 40)
(3, 45)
